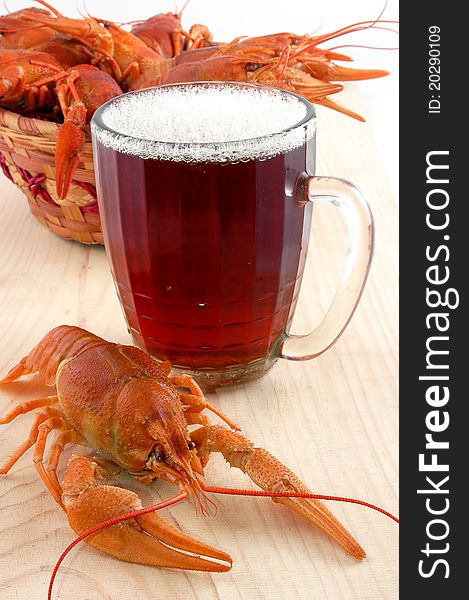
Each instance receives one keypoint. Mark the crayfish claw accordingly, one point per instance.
(316, 513)
(339, 108)
(339, 73)
(146, 539)
(70, 145)
(163, 531)
(272, 476)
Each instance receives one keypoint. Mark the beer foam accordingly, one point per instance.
(204, 123)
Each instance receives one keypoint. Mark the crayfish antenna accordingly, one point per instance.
(352, 28)
(50, 8)
(203, 504)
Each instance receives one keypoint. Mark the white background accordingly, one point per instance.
(229, 19)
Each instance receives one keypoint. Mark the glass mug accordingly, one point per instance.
(206, 193)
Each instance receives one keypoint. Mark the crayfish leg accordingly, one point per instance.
(46, 419)
(196, 402)
(25, 446)
(28, 406)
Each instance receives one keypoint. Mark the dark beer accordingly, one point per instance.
(207, 256)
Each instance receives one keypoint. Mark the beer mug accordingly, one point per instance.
(206, 192)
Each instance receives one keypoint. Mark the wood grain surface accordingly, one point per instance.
(333, 420)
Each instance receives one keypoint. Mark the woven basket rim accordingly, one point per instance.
(27, 149)
(28, 125)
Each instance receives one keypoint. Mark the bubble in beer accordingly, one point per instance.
(205, 123)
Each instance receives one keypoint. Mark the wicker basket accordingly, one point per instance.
(27, 150)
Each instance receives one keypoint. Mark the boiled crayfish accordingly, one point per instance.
(158, 50)
(126, 406)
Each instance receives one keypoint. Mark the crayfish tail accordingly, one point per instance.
(60, 343)
(16, 372)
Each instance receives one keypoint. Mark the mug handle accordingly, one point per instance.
(353, 204)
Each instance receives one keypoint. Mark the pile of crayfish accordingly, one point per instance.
(58, 68)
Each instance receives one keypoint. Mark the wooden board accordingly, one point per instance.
(333, 420)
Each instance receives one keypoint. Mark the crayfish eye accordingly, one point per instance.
(252, 66)
(190, 445)
(160, 454)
